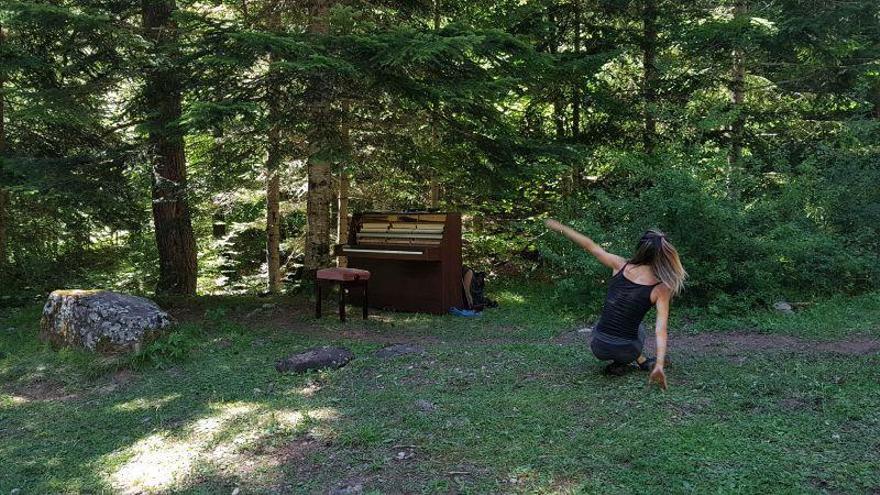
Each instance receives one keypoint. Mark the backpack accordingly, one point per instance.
(474, 285)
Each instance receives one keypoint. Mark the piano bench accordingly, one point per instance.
(346, 278)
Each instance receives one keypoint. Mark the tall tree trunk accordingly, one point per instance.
(875, 98)
(323, 140)
(649, 68)
(342, 216)
(273, 199)
(162, 95)
(737, 95)
(4, 222)
(559, 116)
(273, 181)
(434, 191)
(4, 194)
(576, 90)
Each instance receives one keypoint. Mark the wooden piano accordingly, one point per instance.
(414, 259)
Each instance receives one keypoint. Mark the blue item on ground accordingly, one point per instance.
(467, 313)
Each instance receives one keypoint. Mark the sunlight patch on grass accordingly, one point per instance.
(509, 297)
(159, 461)
(16, 400)
(217, 442)
(292, 418)
(309, 390)
(142, 404)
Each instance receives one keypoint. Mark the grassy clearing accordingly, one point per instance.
(511, 411)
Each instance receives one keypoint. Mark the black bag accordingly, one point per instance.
(474, 284)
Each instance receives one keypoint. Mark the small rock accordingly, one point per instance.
(783, 307)
(355, 489)
(404, 455)
(15, 491)
(396, 350)
(236, 491)
(315, 359)
(425, 406)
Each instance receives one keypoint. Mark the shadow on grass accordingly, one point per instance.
(157, 427)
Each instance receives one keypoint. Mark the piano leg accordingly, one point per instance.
(365, 299)
(342, 302)
(318, 303)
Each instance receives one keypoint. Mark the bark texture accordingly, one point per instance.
(342, 217)
(162, 95)
(4, 194)
(274, 157)
(323, 137)
(649, 78)
(737, 96)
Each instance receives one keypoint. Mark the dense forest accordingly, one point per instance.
(200, 147)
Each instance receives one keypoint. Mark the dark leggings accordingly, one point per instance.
(623, 352)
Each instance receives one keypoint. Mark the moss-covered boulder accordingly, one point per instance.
(101, 321)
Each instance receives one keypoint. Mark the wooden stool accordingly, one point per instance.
(345, 277)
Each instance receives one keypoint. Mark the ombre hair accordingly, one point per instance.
(657, 252)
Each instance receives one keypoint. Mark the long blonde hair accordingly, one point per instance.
(657, 252)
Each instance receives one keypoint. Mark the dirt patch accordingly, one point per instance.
(736, 343)
(298, 451)
(41, 389)
(792, 404)
(576, 336)
(353, 331)
(118, 381)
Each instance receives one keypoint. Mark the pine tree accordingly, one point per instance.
(162, 96)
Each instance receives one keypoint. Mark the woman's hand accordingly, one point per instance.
(553, 225)
(658, 377)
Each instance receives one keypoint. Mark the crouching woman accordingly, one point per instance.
(649, 278)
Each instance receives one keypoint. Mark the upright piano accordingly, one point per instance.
(414, 259)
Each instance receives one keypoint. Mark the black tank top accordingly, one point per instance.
(625, 307)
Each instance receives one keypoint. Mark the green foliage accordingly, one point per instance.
(518, 109)
(171, 348)
(736, 252)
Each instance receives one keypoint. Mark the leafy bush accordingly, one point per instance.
(170, 348)
(738, 252)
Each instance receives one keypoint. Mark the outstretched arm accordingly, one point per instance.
(664, 297)
(612, 261)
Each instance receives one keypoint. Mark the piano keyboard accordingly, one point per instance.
(381, 251)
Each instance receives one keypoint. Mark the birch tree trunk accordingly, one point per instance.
(274, 157)
(342, 216)
(322, 138)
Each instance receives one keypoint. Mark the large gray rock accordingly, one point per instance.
(101, 321)
(317, 358)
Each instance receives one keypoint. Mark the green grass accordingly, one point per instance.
(515, 412)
